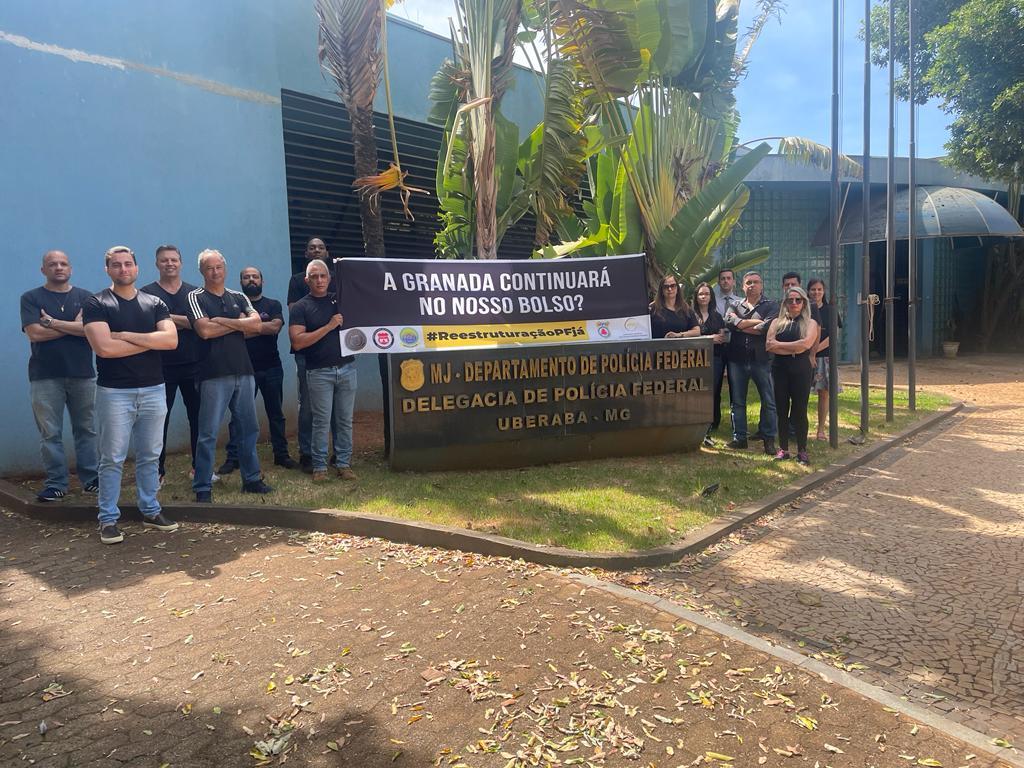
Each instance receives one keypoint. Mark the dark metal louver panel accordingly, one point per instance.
(319, 173)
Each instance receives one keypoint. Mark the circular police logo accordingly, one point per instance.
(355, 339)
(409, 337)
(603, 330)
(630, 324)
(383, 338)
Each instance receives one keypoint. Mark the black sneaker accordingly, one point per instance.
(769, 446)
(91, 488)
(227, 467)
(204, 497)
(287, 462)
(709, 441)
(160, 522)
(306, 463)
(256, 486)
(51, 494)
(110, 534)
(737, 445)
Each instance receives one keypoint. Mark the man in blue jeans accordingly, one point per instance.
(266, 366)
(221, 318)
(60, 375)
(330, 377)
(127, 329)
(748, 360)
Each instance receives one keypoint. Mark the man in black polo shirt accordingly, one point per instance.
(179, 364)
(266, 365)
(222, 318)
(748, 359)
(127, 329)
(60, 374)
(313, 325)
(297, 289)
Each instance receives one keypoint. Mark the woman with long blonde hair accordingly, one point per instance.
(790, 339)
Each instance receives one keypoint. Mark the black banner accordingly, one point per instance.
(406, 305)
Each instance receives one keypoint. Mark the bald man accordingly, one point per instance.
(61, 375)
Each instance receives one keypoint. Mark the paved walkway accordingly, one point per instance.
(913, 567)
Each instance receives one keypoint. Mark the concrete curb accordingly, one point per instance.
(975, 739)
(428, 535)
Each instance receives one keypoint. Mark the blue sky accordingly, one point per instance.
(788, 89)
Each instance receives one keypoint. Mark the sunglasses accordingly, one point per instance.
(794, 300)
(670, 286)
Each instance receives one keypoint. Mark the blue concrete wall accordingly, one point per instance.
(142, 122)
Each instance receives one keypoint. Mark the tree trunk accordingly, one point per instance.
(364, 152)
(486, 193)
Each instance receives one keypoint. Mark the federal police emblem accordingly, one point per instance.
(412, 375)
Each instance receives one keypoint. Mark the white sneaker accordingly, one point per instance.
(215, 478)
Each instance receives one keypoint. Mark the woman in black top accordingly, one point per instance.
(816, 293)
(790, 338)
(671, 317)
(711, 324)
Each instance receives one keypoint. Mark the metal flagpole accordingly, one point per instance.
(912, 232)
(890, 219)
(865, 242)
(833, 242)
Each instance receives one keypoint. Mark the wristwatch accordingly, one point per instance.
(46, 322)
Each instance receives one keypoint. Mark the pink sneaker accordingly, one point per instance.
(782, 455)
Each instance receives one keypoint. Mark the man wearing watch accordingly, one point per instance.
(61, 375)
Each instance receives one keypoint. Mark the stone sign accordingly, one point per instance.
(515, 407)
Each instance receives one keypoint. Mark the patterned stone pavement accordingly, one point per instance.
(913, 568)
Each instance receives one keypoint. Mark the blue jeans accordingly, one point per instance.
(305, 412)
(740, 374)
(130, 416)
(49, 398)
(270, 384)
(332, 398)
(216, 397)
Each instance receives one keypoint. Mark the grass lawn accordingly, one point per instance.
(612, 504)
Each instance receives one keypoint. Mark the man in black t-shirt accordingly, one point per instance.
(60, 374)
(127, 329)
(221, 318)
(313, 325)
(179, 365)
(748, 360)
(266, 366)
(297, 289)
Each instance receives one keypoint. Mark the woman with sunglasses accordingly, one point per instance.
(671, 317)
(790, 338)
(711, 324)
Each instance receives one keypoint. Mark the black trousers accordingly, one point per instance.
(190, 397)
(270, 384)
(792, 377)
(717, 376)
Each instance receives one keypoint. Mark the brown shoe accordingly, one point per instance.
(320, 476)
(346, 473)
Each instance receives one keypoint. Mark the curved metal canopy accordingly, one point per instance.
(941, 212)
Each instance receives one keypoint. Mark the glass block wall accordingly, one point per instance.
(786, 218)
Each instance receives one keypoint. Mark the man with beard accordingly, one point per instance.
(60, 375)
(127, 329)
(179, 365)
(266, 365)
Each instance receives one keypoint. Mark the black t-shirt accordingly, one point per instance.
(138, 315)
(746, 347)
(186, 357)
(712, 325)
(668, 321)
(263, 349)
(825, 321)
(226, 355)
(66, 357)
(313, 313)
